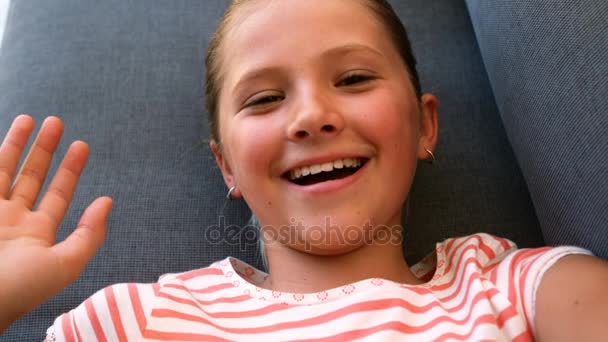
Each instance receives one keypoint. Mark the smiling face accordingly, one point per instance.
(317, 87)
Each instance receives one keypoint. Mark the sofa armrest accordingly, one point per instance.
(547, 61)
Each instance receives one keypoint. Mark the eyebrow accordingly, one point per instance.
(348, 48)
(331, 53)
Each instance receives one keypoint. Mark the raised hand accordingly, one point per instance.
(32, 267)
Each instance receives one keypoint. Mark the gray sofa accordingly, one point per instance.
(523, 128)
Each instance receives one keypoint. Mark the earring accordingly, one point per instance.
(432, 159)
(229, 195)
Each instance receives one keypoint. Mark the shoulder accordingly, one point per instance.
(109, 314)
(518, 276)
(121, 312)
(484, 248)
(572, 300)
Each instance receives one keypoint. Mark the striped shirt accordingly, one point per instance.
(478, 287)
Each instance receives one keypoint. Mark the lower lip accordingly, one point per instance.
(329, 186)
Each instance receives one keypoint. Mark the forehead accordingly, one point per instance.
(269, 32)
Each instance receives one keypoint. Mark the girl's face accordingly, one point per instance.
(312, 86)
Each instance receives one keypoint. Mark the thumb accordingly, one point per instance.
(80, 246)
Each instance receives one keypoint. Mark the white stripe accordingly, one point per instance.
(386, 292)
(84, 324)
(354, 320)
(360, 320)
(502, 274)
(127, 314)
(57, 328)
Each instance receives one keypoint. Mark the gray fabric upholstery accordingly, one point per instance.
(127, 77)
(477, 184)
(548, 65)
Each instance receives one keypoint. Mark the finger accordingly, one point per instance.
(58, 196)
(35, 167)
(80, 246)
(11, 150)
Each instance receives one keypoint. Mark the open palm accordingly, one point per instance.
(32, 267)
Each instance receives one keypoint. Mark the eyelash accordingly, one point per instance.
(357, 76)
(361, 77)
(263, 100)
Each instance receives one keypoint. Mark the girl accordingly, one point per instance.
(318, 121)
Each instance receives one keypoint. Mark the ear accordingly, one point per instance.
(224, 166)
(428, 126)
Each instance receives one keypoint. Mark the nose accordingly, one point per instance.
(314, 117)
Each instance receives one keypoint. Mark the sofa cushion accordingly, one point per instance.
(548, 65)
(127, 77)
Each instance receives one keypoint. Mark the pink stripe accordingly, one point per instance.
(461, 281)
(505, 315)
(485, 319)
(531, 258)
(458, 272)
(137, 307)
(281, 307)
(405, 329)
(94, 319)
(457, 278)
(489, 268)
(376, 305)
(487, 250)
(77, 332)
(448, 246)
(494, 276)
(503, 242)
(482, 246)
(515, 264)
(66, 326)
(454, 247)
(115, 314)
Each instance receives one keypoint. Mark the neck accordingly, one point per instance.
(299, 272)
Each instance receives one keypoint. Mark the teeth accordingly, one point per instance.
(325, 167)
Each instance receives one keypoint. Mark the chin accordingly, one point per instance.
(325, 237)
(321, 249)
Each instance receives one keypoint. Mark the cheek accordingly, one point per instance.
(254, 142)
(389, 120)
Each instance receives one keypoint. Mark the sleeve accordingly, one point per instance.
(519, 274)
(115, 313)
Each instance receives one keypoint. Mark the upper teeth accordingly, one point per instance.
(302, 171)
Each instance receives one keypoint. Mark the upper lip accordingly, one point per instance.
(321, 160)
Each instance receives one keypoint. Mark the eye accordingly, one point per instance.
(353, 79)
(263, 100)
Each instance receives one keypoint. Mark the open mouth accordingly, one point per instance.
(318, 173)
